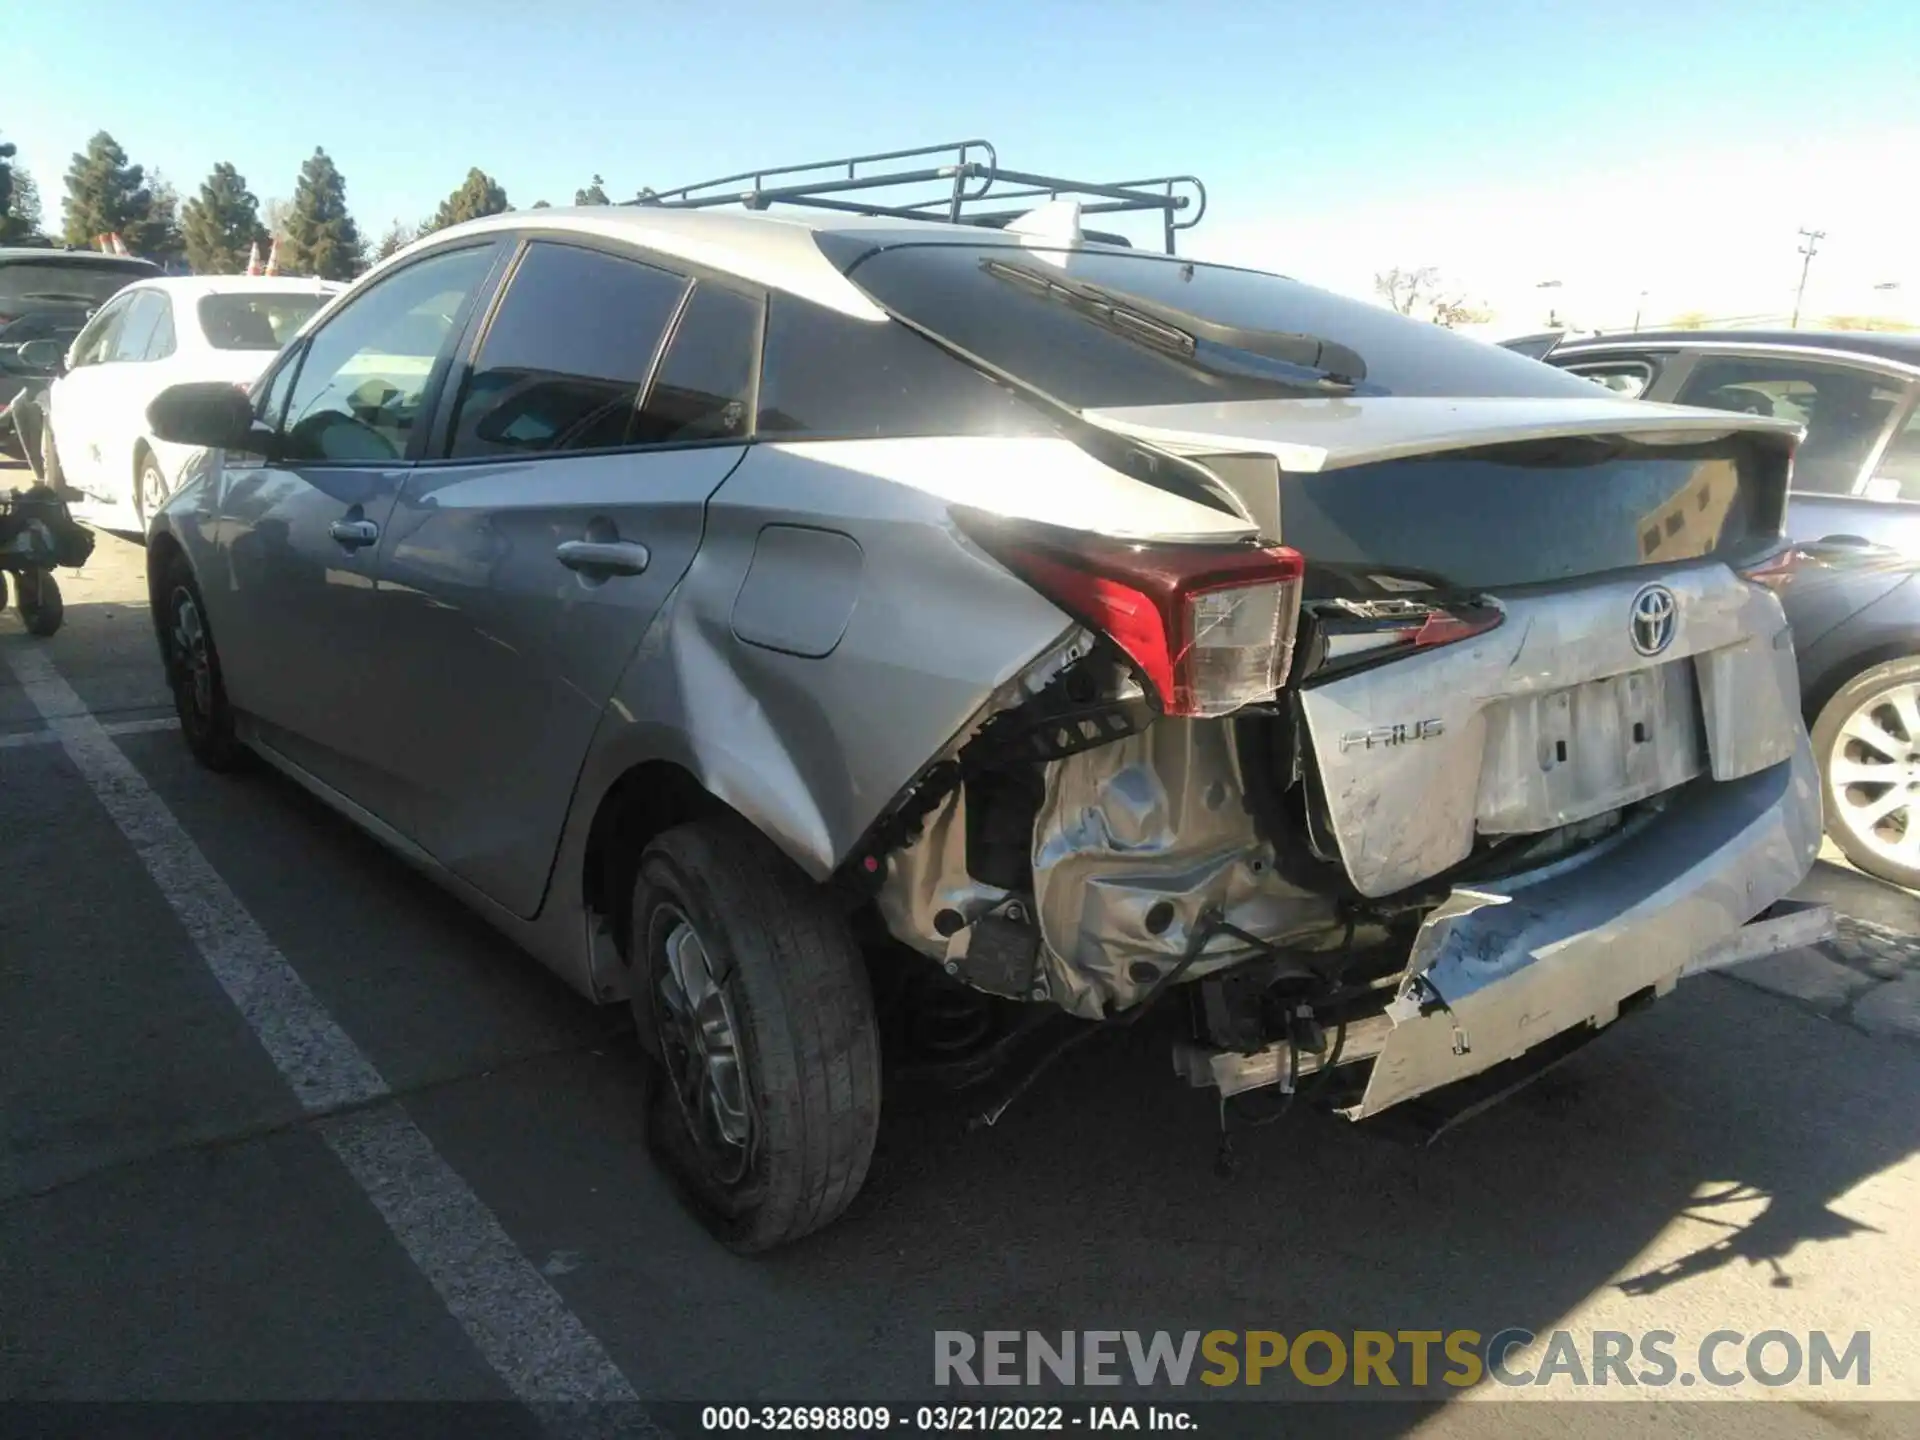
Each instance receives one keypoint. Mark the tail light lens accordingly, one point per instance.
(1362, 632)
(1776, 570)
(1210, 627)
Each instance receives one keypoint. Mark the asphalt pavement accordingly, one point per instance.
(188, 1212)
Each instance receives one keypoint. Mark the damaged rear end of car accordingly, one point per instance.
(1481, 732)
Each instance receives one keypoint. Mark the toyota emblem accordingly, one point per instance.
(1654, 618)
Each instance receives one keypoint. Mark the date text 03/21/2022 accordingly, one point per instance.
(940, 1419)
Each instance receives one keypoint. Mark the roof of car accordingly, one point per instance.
(1904, 348)
(774, 248)
(80, 257)
(192, 286)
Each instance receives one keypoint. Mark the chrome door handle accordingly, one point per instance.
(604, 557)
(354, 534)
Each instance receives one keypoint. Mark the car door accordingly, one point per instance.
(606, 401)
(74, 398)
(300, 527)
(127, 382)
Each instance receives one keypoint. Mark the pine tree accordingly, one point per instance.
(105, 194)
(158, 236)
(24, 217)
(594, 194)
(6, 181)
(221, 224)
(397, 238)
(321, 238)
(478, 195)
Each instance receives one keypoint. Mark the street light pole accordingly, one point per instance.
(1813, 239)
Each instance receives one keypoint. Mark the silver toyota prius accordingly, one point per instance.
(742, 610)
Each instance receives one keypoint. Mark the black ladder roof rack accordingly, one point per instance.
(969, 170)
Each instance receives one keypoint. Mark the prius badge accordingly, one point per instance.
(1653, 619)
(1383, 736)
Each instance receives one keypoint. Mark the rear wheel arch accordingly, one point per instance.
(162, 551)
(646, 800)
(1838, 674)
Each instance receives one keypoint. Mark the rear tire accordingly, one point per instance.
(193, 671)
(1872, 724)
(763, 1052)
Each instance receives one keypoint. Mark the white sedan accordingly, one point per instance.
(149, 336)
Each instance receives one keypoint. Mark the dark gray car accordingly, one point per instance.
(1858, 472)
(1852, 604)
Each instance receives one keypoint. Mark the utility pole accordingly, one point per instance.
(1813, 239)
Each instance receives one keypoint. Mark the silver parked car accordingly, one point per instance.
(693, 590)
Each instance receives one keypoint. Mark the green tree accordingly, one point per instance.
(594, 194)
(105, 194)
(6, 181)
(320, 237)
(541, 205)
(24, 217)
(221, 225)
(478, 195)
(397, 238)
(158, 237)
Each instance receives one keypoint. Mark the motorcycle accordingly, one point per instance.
(37, 530)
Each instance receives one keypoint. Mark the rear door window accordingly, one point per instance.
(703, 387)
(1845, 411)
(164, 341)
(567, 355)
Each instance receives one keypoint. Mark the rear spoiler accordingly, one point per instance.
(1312, 435)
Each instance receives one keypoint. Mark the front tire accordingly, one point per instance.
(1867, 743)
(150, 488)
(193, 671)
(763, 1051)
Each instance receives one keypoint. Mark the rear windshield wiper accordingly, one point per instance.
(1274, 356)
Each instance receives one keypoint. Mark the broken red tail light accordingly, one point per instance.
(1777, 569)
(1364, 632)
(1210, 627)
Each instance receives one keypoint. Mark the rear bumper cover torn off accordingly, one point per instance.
(1503, 969)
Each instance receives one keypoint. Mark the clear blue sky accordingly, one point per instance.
(1283, 108)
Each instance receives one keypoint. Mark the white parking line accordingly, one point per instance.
(19, 738)
(513, 1315)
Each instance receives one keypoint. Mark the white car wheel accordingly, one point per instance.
(151, 488)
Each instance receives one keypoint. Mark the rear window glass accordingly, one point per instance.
(1098, 329)
(255, 322)
(66, 282)
(1526, 514)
